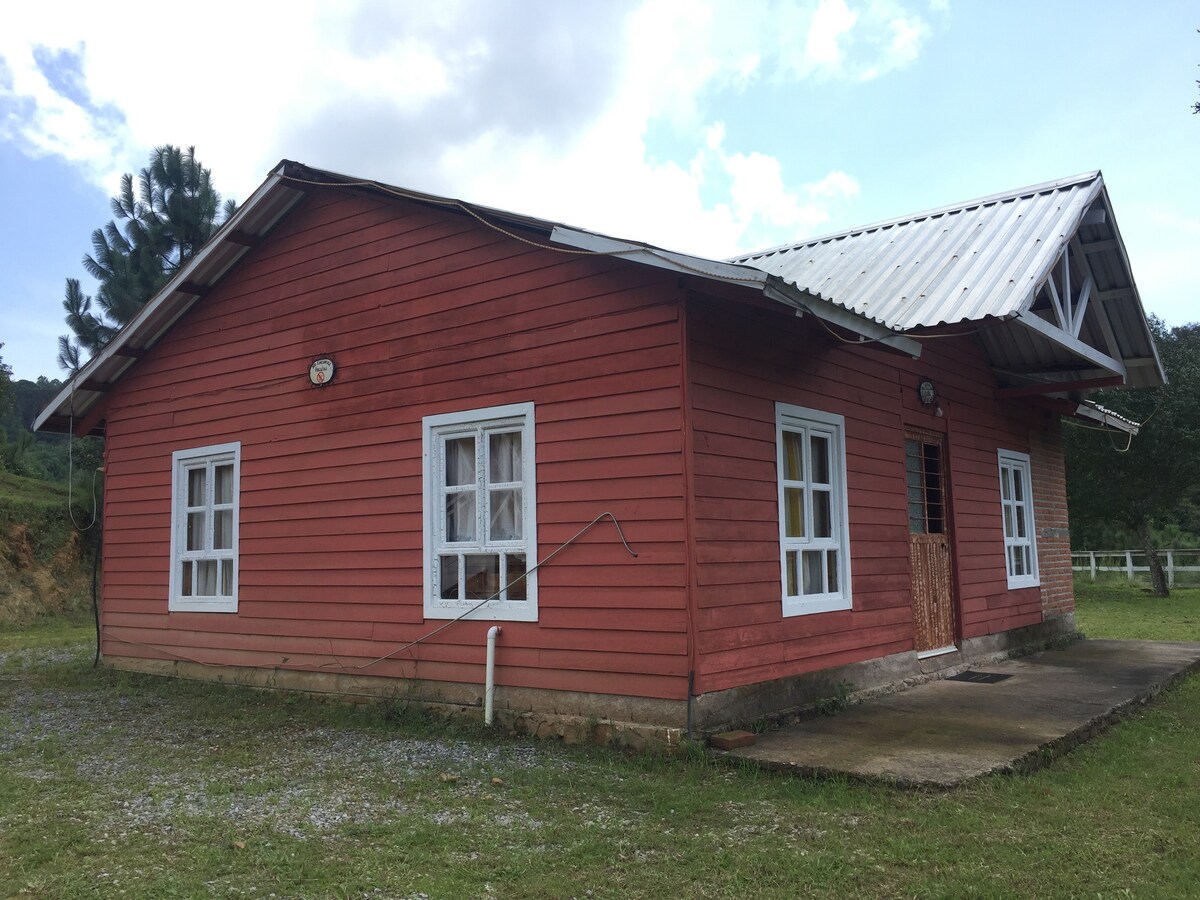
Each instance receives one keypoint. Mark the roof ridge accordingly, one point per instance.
(1015, 194)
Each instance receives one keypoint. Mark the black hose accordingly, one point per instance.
(95, 593)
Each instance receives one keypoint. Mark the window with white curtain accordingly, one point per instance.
(814, 532)
(204, 529)
(480, 503)
(1016, 505)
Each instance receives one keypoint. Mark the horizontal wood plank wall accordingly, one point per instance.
(425, 312)
(744, 360)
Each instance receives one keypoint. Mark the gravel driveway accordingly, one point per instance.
(137, 758)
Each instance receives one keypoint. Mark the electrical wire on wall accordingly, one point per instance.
(343, 667)
(71, 467)
(1111, 436)
(95, 515)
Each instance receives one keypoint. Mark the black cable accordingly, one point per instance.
(95, 593)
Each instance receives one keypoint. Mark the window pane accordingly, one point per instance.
(483, 575)
(223, 484)
(1020, 517)
(811, 570)
(227, 578)
(936, 521)
(195, 487)
(1018, 561)
(793, 456)
(1018, 478)
(206, 578)
(448, 577)
(793, 588)
(504, 452)
(195, 531)
(1026, 561)
(460, 461)
(820, 459)
(460, 516)
(916, 517)
(516, 583)
(505, 524)
(185, 580)
(1008, 521)
(822, 516)
(832, 570)
(1005, 486)
(793, 502)
(912, 453)
(223, 529)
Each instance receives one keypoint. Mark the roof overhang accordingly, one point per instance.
(1081, 326)
(73, 408)
(1040, 272)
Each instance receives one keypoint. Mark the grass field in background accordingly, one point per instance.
(1114, 608)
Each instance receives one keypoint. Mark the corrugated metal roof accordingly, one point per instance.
(984, 258)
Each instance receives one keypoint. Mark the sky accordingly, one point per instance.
(704, 126)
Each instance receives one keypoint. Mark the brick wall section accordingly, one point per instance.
(1050, 520)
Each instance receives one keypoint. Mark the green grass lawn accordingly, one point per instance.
(1113, 608)
(120, 785)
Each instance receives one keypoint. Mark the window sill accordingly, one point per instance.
(1015, 584)
(795, 607)
(489, 612)
(214, 606)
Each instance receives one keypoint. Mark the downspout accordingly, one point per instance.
(489, 684)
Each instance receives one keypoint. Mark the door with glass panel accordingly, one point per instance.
(929, 542)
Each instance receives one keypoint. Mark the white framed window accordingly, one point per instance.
(204, 529)
(480, 513)
(1016, 504)
(814, 532)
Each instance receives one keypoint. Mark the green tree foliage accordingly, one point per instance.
(43, 455)
(5, 405)
(1150, 486)
(161, 220)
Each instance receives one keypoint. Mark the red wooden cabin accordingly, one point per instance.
(364, 425)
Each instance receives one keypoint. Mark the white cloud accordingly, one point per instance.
(832, 20)
(540, 107)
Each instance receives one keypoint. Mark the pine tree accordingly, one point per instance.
(160, 222)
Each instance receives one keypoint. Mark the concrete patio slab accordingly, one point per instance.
(942, 733)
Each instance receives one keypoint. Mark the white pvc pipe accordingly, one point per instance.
(489, 685)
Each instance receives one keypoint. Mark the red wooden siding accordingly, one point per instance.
(741, 362)
(430, 312)
(425, 312)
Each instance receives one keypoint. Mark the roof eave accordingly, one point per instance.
(161, 312)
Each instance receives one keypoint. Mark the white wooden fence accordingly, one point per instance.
(1093, 561)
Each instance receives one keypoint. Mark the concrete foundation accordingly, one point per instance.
(791, 698)
(635, 722)
(943, 733)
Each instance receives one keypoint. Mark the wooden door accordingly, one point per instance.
(929, 542)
